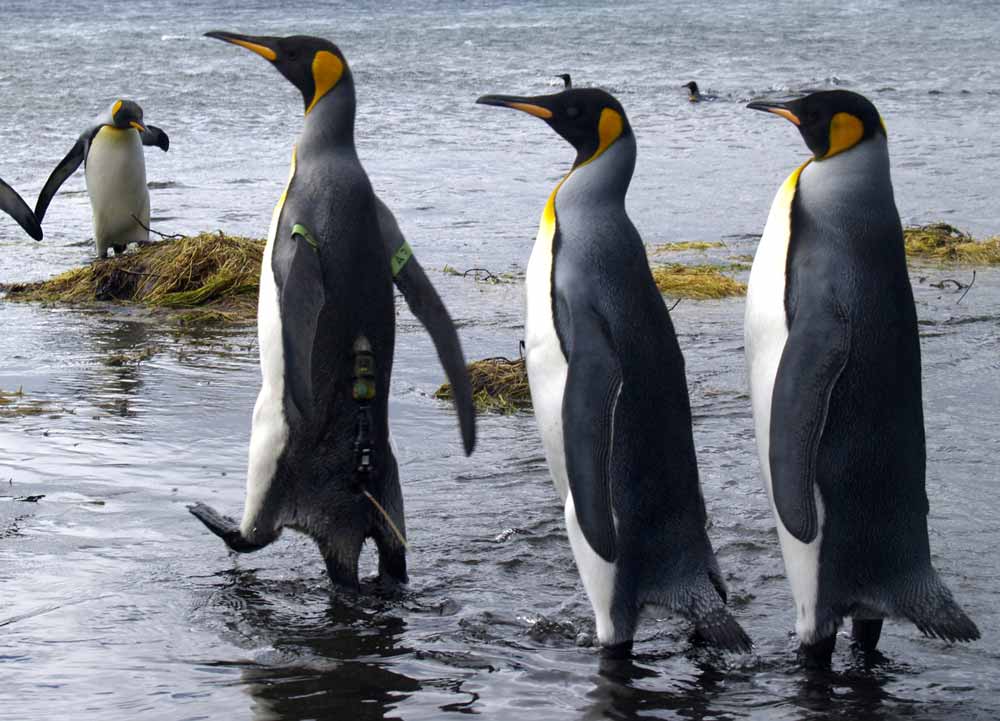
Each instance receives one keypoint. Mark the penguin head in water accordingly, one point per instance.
(589, 118)
(314, 65)
(830, 121)
(127, 114)
(692, 88)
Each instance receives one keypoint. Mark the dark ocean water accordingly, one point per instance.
(115, 603)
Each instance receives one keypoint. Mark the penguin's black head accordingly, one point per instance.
(314, 65)
(127, 114)
(831, 121)
(692, 87)
(589, 118)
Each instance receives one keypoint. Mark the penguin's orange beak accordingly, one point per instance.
(259, 45)
(781, 109)
(137, 126)
(532, 106)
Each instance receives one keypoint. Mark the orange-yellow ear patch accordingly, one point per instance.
(609, 127)
(327, 70)
(116, 108)
(846, 131)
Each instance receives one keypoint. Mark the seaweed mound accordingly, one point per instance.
(940, 241)
(498, 384)
(212, 276)
(697, 282)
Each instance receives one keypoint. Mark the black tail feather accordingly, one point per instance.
(932, 608)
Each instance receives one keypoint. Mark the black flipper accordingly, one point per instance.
(14, 205)
(67, 166)
(593, 384)
(154, 136)
(298, 274)
(224, 527)
(426, 305)
(815, 355)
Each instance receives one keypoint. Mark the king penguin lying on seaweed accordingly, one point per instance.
(320, 461)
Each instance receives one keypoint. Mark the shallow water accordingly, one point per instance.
(115, 603)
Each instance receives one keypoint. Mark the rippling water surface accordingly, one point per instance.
(115, 603)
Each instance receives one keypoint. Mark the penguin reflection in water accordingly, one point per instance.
(834, 361)
(115, 169)
(320, 460)
(609, 391)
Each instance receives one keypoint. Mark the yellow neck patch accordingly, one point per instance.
(327, 70)
(609, 129)
(846, 131)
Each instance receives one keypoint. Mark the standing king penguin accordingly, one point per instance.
(834, 363)
(13, 205)
(609, 391)
(115, 169)
(320, 459)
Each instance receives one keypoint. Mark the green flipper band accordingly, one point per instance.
(301, 230)
(401, 257)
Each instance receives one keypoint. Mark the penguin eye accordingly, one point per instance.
(572, 111)
(292, 55)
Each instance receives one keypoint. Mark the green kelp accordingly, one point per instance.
(697, 282)
(213, 273)
(498, 385)
(941, 241)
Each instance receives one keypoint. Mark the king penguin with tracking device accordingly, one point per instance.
(320, 459)
(609, 390)
(833, 356)
(115, 169)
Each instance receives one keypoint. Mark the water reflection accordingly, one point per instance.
(329, 662)
(619, 693)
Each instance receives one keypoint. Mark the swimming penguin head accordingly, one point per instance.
(127, 114)
(314, 65)
(830, 121)
(589, 118)
(693, 93)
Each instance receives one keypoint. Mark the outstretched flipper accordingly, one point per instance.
(67, 166)
(298, 275)
(14, 205)
(224, 527)
(593, 385)
(815, 355)
(153, 135)
(426, 305)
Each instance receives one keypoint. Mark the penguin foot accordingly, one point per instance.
(818, 655)
(865, 633)
(617, 651)
(224, 527)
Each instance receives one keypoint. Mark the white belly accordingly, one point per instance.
(116, 183)
(765, 333)
(547, 372)
(269, 435)
(544, 358)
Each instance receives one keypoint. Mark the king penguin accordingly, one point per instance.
(609, 391)
(115, 169)
(320, 459)
(13, 205)
(834, 362)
